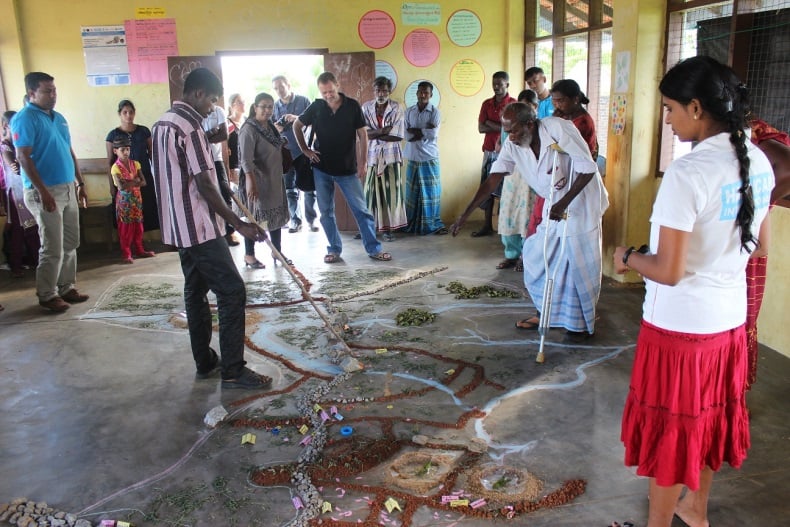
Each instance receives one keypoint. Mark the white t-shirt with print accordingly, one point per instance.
(699, 194)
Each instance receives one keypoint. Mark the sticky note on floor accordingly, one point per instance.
(449, 372)
(326, 507)
(391, 504)
(477, 503)
(317, 408)
(459, 503)
(248, 438)
(297, 503)
(381, 350)
(303, 429)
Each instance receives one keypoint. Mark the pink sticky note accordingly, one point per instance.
(306, 441)
(477, 503)
(297, 502)
(324, 415)
(333, 410)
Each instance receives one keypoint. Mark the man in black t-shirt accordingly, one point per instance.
(339, 155)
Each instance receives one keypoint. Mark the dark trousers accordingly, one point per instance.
(219, 166)
(275, 236)
(209, 266)
(292, 193)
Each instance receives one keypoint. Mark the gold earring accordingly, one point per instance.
(695, 116)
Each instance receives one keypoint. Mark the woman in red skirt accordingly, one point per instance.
(685, 414)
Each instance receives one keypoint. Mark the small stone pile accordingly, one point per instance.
(27, 513)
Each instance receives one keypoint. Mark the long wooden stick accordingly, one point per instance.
(305, 292)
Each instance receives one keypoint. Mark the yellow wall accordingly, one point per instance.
(772, 324)
(207, 27)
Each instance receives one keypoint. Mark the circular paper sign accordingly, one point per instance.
(467, 77)
(385, 69)
(410, 97)
(421, 47)
(464, 28)
(376, 29)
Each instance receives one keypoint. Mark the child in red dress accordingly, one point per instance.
(128, 178)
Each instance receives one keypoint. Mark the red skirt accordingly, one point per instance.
(756, 269)
(686, 404)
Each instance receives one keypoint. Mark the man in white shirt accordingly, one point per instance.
(574, 213)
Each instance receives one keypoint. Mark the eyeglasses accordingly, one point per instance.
(265, 106)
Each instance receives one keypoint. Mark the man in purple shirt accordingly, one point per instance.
(192, 215)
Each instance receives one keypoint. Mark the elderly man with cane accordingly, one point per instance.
(556, 162)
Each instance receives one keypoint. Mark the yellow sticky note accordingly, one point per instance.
(459, 503)
(449, 372)
(381, 350)
(150, 12)
(248, 438)
(122, 524)
(317, 408)
(326, 507)
(303, 429)
(392, 504)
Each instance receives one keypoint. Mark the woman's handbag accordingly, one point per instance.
(304, 168)
(288, 159)
(304, 174)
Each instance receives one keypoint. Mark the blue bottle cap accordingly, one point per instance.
(346, 431)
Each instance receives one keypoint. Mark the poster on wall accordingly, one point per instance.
(376, 29)
(410, 97)
(619, 105)
(464, 28)
(420, 14)
(421, 47)
(385, 69)
(467, 77)
(622, 70)
(150, 42)
(104, 49)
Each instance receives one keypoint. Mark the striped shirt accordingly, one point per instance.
(180, 151)
(381, 152)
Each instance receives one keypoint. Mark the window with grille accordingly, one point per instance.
(572, 39)
(752, 36)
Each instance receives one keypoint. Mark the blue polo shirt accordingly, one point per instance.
(48, 135)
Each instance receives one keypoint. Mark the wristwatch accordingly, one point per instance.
(642, 250)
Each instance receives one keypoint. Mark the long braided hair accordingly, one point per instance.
(722, 96)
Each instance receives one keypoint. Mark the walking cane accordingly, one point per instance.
(548, 285)
(305, 292)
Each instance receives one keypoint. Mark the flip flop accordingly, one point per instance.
(519, 266)
(507, 263)
(331, 258)
(527, 323)
(682, 522)
(482, 232)
(382, 257)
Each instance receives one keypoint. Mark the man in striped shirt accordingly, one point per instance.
(192, 216)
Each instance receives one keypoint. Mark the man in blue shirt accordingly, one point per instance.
(53, 186)
(287, 109)
(536, 81)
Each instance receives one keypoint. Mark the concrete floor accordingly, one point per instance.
(101, 414)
